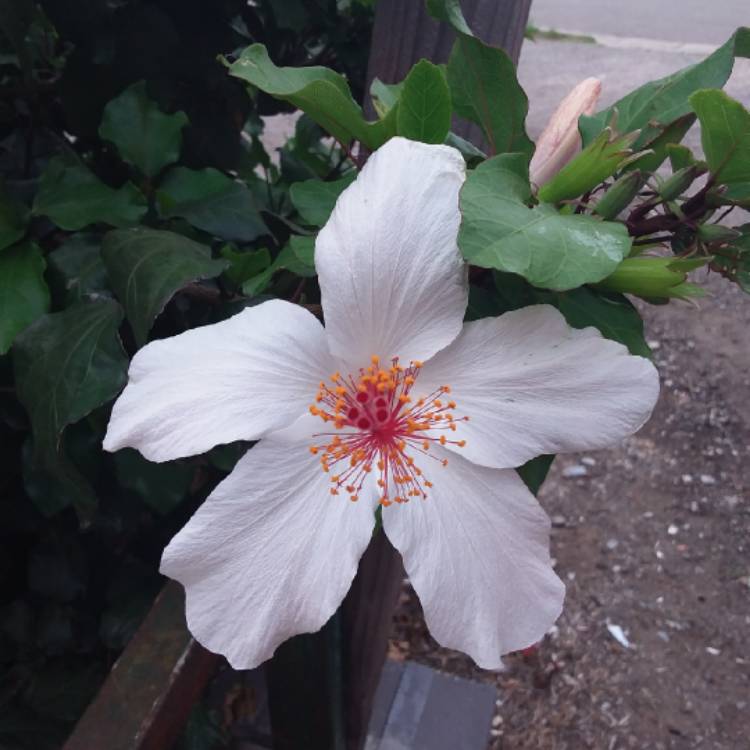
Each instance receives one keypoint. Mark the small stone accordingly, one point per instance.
(558, 520)
(707, 479)
(572, 472)
(694, 507)
(687, 478)
(713, 651)
(663, 635)
(654, 344)
(612, 544)
(672, 529)
(497, 721)
(588, 461)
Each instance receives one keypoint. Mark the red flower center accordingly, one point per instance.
(379, 425)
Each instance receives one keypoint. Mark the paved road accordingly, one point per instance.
(697, 21)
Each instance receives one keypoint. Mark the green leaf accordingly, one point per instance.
(550, 250)
(315, 199)
(243, 265)
(598, 161)
(485, 90)
(13, 219)
(144, 135)
(660, 145)
(76, 268)
(612, 314)
(73, 197)
(147, 267)
(67, 364)
(211, 201)
(424, 108)
(384, 96)
(733, 260)
(161, 486)
(680, 157)
(534, 472)
(130, 594)
(725, 135)
(469, 151)
(659, 103)
(450, 12)
(319, 92)
(296, 257)
(23, 292)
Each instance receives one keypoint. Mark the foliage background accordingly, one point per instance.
(137, 202)
(83, 530)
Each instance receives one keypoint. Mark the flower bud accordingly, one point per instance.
(673, 187)
(717, 233)
(619, 195)
(560, 139)
(655, 278)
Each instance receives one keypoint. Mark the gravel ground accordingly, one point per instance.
(652, 541)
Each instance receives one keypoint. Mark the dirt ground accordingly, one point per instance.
(651, 537)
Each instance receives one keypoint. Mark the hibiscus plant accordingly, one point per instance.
(395, 327)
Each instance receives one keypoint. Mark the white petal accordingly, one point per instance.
(235, 380)
(476, 552)
(531, 385)
(270, 554)
(391, 277)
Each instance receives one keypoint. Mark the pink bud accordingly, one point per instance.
(560, 140)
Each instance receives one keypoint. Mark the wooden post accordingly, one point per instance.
(147, 697)
(404, 32)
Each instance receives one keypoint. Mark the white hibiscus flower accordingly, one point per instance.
(395, 402)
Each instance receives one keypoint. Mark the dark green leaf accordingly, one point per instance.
(612, 314)
(725, 134)
(212, 202)
(548, 249)
(296, 257)
(57, 570)
(485, 90)
(161, 486)
(384, 96)
(77, 267)
(23, 292)
(73, 197)
(66, 365)
(63, 690)
(243, 265)
(315, 199)
(13, 219)
(147, 266)
(469, 151)
(320, 92)
(450, 12)
(130, 593)
(680, 157)
(424, 109)
(659, 103)
(733, 260)
(144, 135)
(659, 146)
(534, 472)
